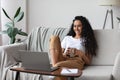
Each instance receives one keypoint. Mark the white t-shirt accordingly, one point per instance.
(70, 42)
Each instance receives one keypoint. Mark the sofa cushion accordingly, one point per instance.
(96, 73)
(108, 46)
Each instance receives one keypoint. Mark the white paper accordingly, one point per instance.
(69, 71)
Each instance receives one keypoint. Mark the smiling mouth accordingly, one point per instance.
(77, 31)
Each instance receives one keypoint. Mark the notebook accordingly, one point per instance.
(65, 71)
(36, 61)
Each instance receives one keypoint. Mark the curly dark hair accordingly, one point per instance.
(87, 34)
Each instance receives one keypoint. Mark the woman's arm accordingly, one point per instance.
(87, 58)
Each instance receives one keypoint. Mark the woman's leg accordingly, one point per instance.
(56, 57)
(55, 50)
(71, 64)
(56, 53)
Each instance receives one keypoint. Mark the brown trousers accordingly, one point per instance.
(59, 60)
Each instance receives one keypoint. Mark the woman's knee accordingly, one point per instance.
(55, 42)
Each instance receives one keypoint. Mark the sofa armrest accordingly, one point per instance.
(9, 53)
(9, 57)
(116, 68)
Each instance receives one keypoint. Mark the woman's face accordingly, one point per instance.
(77, 27)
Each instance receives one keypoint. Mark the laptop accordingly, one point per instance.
(36, 61)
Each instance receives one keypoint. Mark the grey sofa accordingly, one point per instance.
(105, 66)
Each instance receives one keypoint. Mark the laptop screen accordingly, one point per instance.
(35, 60)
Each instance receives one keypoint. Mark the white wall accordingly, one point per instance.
(60, 13)
(57, 13)
(11, 6)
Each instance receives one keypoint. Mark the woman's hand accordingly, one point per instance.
(79, 53)
(71, 52)
(74, 52)
(87, 58)
(64, 54)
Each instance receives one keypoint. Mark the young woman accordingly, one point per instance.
(76, 49)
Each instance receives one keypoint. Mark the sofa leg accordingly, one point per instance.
(70, 78)
(17, 75)
(40, 77)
